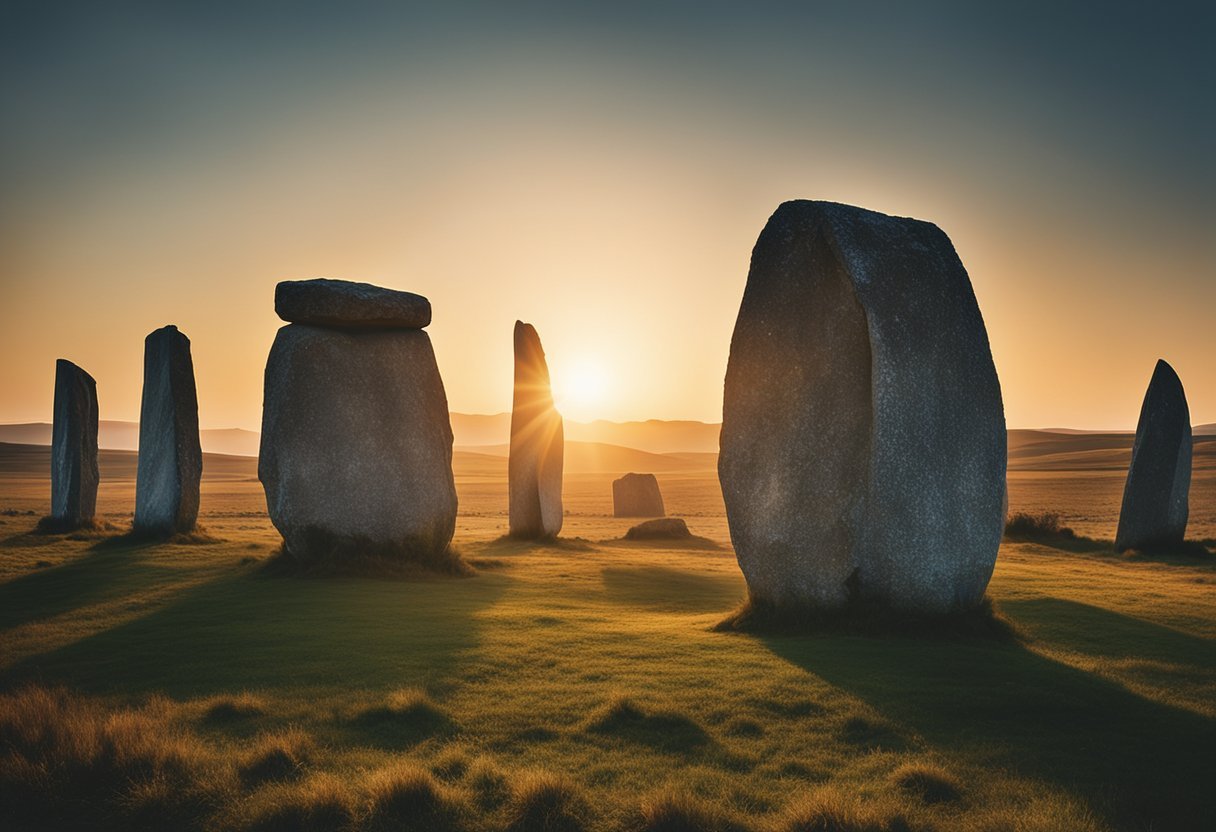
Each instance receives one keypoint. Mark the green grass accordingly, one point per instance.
(583, 686)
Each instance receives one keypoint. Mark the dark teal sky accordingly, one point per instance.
(155, 150)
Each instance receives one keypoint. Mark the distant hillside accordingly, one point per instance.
(600, 457)
(124, 436)
(655, 435)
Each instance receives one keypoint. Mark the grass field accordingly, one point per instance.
(580, 685)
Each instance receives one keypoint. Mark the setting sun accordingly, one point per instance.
(580, 386)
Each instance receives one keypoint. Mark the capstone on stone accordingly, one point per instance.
(170, 456)
(863, 445)
(344, 303)
(637, 495)
(1155, 496)
(74, 473)
(534, 469)
(356, 453)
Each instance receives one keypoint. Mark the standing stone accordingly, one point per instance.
(637, 495)
(356, 454)
(73, 447)
(1158, 481)
(170, 456)
(863, 445)
(534, 470)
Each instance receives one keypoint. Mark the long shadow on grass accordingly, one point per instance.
(247, 631)
(99, 574)
(1137, 761)
(662, 587)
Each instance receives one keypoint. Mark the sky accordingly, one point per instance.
(601, 172)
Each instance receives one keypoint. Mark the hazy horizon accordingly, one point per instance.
(603, 175)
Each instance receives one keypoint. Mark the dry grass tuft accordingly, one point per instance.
(673, 811)
(280, 756)
(451, 764)
(929, 782)
(66, 762)
(489, 783)
(405, 797)
(88, 530)
(544, 802)
(234, 707)
(1043, 526)
(321, 803)
(623, 718)
(407, 716)
(831, 809)
(862, 618)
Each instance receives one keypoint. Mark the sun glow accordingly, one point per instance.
(580, 388)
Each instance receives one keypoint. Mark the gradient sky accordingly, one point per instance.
(602, 174)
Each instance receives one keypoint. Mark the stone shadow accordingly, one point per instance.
(245, 631)
(1142, 764)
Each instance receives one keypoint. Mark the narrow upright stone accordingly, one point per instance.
(863, 444)
(74, 474)
(534, 470)
(170, 455)
(1155, 496)
(637, 495)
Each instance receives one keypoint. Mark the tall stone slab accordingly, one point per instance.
(637, 495)
(74, 473)
(170, 454)
(1155, 496)
(356, 453)
(863, 446)
(534, 470)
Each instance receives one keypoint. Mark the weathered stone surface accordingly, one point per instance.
(637, 495)
(664, 528)
(534, 470)
(1155, 496)
(344, 303)
(863, 436)
(356, 454)
(170, 456)
(73, 446)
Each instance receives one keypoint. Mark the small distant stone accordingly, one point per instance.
(637, 495)
(664, 528)
(344, 303)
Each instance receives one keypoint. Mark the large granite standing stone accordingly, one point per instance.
(637, 495)
(170, 456)
(356, 454)
(74, 474)
(534, 470)
(1155, 496)
(345, 304)
(863, 435)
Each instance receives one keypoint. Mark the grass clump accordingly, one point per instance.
(1043, 526)
(404, 797)
(322, 803)
(490, 785)
(832, 809)
(929, 782)
(234, 707)
(545, 802)
(622, 717)
(280, 756)
(66, 762)
(674, 811)
(85, 530)
(865, 618)
(406, 717)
